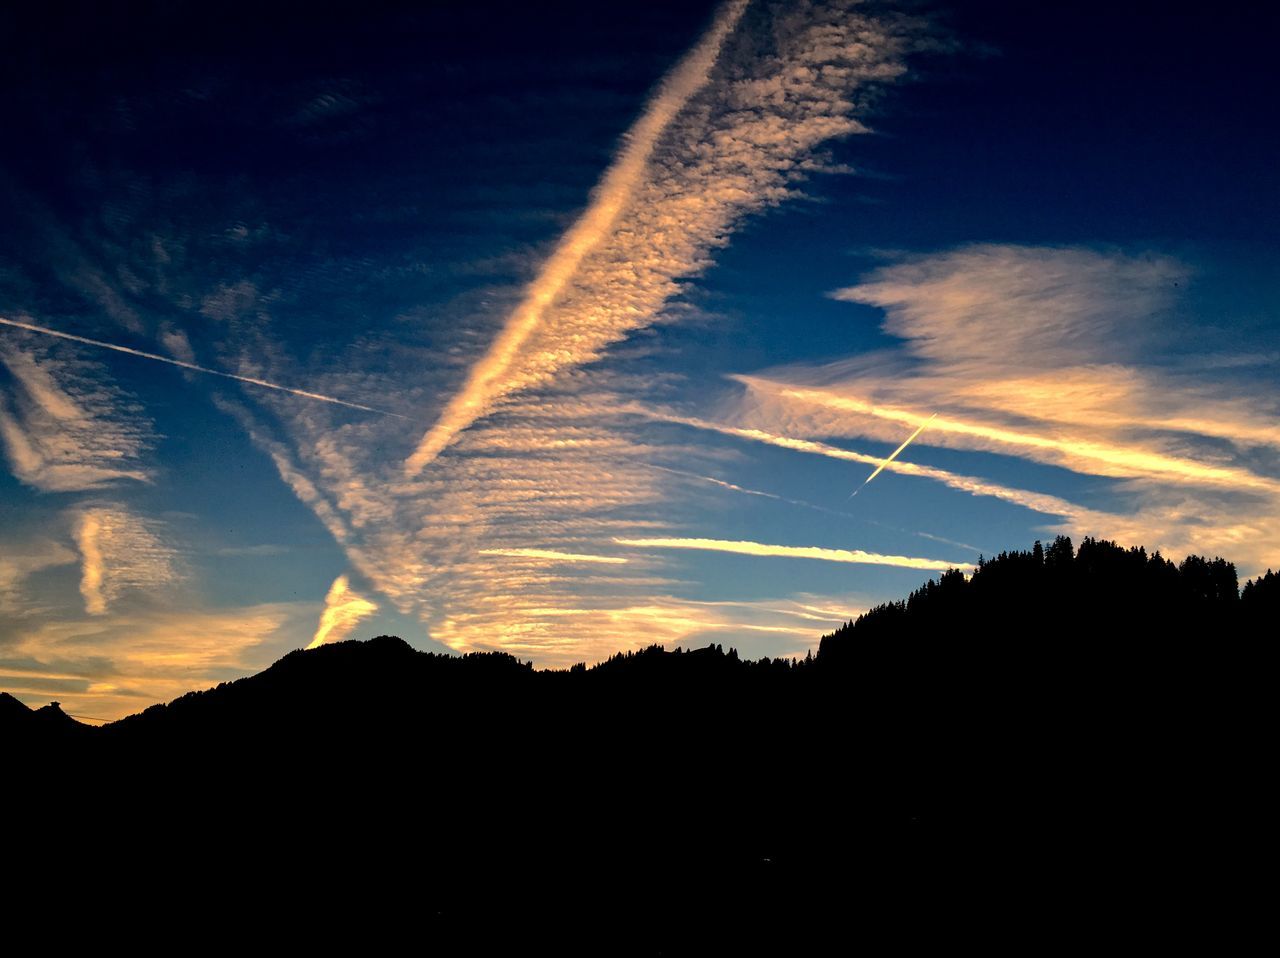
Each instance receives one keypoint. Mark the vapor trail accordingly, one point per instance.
(343, 610)
(485, 382)
(194, 368)
(794, 552)
(552, 555)
(894, 455)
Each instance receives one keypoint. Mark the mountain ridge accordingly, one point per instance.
(1061, 720)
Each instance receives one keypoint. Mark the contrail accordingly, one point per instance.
(552, 555)
(894, 455)
(343, 610)
(484, 384)
(794, 552)
(194, 368)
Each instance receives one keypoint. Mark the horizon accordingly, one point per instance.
(565, 332)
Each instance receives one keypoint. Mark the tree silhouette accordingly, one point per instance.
(1042, 725)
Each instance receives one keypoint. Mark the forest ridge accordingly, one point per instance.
(1099, 589)
(984, 747)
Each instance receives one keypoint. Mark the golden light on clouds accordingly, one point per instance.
(490, 379)
(87, 532)
(112, 666)
(1110, 458)
(550, 555)
(119, 552)
(856, 556)
(343, 611)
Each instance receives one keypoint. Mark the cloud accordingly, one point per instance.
(550, 555)
(1080, 452)
(178, 343)
(491, 378)
(794, 552)
(65, 428)
(19, 561)
(591, 630)
(1065, 357)
(804, 504)
(714, 145)
(974, 485)
(114, 666)
(542, 457)
(120, 551)
(343, 610)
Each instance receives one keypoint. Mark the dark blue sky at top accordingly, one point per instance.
(1046, 123)
(392, 175)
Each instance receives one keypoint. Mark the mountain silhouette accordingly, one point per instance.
(1062, 726)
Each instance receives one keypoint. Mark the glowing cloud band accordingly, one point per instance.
(485, 384)
(551, 555)
(797, 552)
(343, 610)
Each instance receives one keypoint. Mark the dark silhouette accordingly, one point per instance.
(1065, 731)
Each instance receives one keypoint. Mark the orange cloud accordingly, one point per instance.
(491, 378)
(343, 611)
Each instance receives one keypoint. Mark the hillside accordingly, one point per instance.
(1058, 708)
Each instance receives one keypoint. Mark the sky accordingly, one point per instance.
(574, 328)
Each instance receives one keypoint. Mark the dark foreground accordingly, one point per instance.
(1068, 750)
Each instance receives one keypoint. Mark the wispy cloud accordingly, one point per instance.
(1039, 502)
(793, 552)
(542, 461)
(712, 146)
(21, 560)
(804, 504)
(191, 367)
(550, 555)
(1060, 356)
(1078, 452)
(65, 428)
(344, 609)
(120, 551)
(491, 378)
(563, 633)
(113, 666)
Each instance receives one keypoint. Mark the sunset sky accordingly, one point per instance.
(570, 328)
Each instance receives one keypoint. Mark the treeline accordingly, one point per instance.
(1100, 591)
(1060, 719)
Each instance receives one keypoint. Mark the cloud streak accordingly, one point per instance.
(119, 551)
(550, 555)
(1064, 357)
(344, 609)
(112, 666)
(192, 367)
(489, 379)
(540, 456)
(856, 556)
(719, 142)
(974, 485)
(20, 561)
(64, 429)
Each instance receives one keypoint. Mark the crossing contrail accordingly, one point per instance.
(894, 455)
(30, 327)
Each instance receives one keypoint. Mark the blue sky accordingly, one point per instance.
(634, 299)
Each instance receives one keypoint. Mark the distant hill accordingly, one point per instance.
(1061, 718)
